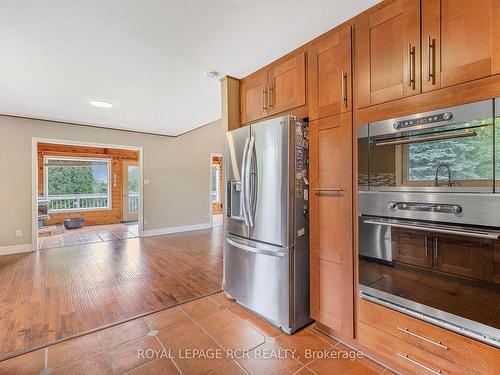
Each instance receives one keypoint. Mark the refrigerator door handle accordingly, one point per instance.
(247, 195)
(263, 249)
(243, 180)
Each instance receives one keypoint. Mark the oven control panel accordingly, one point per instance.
(429, 207)
(446, 116)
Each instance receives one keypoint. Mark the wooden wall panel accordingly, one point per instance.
(94, 217)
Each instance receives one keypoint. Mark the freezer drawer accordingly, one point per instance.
(257, 276)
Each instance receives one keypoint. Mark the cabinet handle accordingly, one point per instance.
(406, 357)
(270, 96)
(437, 343)
(431, 60)
(411, 66)
(328, 189)
(426, 251)
(263, 100)
(344, 88)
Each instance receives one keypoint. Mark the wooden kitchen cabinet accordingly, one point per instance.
(412, 247)
(329, 72)
(279, 88)
(387, 53)
(287, 84)
(332, 293)
(459, 255)
(253, 97)
(460, 41)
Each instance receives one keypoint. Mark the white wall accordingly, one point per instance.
(177, 168)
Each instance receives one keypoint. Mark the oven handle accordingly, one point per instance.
(465, 134)
(486, 235)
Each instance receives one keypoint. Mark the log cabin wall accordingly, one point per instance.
(93, 217)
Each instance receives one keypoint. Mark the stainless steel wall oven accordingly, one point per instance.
(429, 217)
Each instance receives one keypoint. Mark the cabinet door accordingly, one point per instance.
(458, 41)
(388, 53)
(253, 97)
(330, 75)
(287, 84)
(459, 255)
(412, 247)
(332, 294)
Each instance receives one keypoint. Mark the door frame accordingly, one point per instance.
(34, 179)
(211, 214)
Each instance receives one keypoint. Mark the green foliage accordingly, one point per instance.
(470, 158)
(74, 180)
(133, 179)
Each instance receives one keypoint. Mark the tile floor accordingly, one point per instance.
(89, 234)
(211, 335)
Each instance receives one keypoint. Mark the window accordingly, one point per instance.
(469, 159)
(77, 183)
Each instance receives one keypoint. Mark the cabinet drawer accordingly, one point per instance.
(406, 357)
(464, 351)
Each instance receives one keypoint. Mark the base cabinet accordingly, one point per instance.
(402, 340)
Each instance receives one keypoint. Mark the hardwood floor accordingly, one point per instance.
(50, 295)
(212, 335)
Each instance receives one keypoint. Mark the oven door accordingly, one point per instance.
(446, 150)
(447, 270)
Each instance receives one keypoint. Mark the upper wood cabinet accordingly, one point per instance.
(253, 97)
(287, 84)
(460, 41)
(276, 89)
(329, 73)
(331, 248)
(387, 53)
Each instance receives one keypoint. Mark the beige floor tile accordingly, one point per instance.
(74, 350)
(128, 356)
(200, 307)
(180, 335)
(230, 368)
(305, 343)
(367, 361)
(161, 366)
(239, 336)
(30, 363)
(270, 359)
(221, 299)
(210, 356)
(218, 321)
(124, 332)
(95, 365)
(166, 318)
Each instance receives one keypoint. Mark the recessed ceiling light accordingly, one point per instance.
(101, 104)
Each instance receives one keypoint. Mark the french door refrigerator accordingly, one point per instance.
(266, 246)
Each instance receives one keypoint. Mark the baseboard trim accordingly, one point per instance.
(16, 249)
(184, 228)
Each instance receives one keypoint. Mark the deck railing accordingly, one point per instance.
(133, 202)
(77, 201)
(88, 201)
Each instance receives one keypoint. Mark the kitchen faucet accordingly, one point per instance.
(443, 165)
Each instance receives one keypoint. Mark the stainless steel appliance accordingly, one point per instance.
(429, 217)
(266, 247)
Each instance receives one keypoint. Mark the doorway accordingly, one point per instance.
(85, 193)
(130, 185)
(216, 189)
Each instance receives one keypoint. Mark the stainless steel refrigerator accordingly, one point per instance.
(266, 246)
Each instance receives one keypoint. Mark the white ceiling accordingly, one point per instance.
(147, 57)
